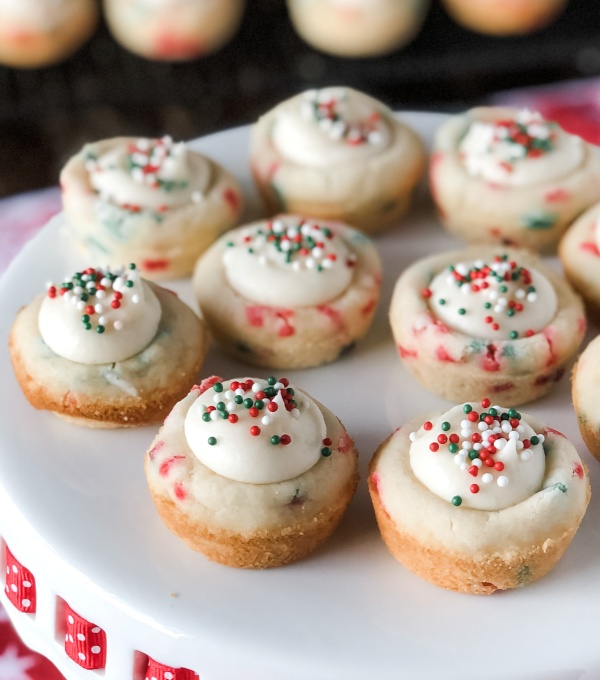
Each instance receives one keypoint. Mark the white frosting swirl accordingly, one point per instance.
(100, 316)
(153, 174)
(520, 152)
(278, 441)
(321, 128)
(498, 300)
(290, 262)
(473, 476)
(39, 15)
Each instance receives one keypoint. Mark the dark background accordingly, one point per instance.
(102, 91)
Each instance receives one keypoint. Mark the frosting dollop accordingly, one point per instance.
(100, 316)
(256, 431)
(153, 174)
(289, 261)
(519, 151)
(479, 456)
(41, 15)
(497, 300)
(335, 125)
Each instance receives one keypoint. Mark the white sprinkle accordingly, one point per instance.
(499, 444)
(135, 299)
(502, 481)
(541, 438)
(81, 305)
(487, 478)
(239, 392)
(118, 325)
(482, 426)
(100, 294)
(278, 226)
(477, 462)
(78, 290)
(278, 386)
(520, 294)
(520, 445)
(477, 446)
(98, 308)
(531, 297)
(102, 320)
(465, 433)
(216, 398)
(412, 436)
(464, 466)
(327, 264)
(229, 395)
(266, 420)
(262, 260)
(295, 413)
(256, 387)
(458, 459)
(309, 263)
(526, 455)
(466, 445)
(513, 435)
(231, 406)
(506, 427)
(214, 415)
(465, 424)
(520, 429)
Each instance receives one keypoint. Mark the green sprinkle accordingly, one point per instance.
(218, 387)
(503, 289)
(512, 413)
(535, 440)
(85, 318)
(290, 391)
(230, 244)
(488, 305)
(514, 335)
(271, 380)
(275, 439)
(206, 417)
(221, 406)
(84, 297)
(473, 454)
(248, 403)
(212, 441)
(326, 451)
(493, 412)
(442, 301)
(223, 414)
(462, 311)
(87, 326)
(467, 408)
(132, 266)
(510, 312)
(445, 426)
(100, 329)
(238, 399)
(453, 448)
(129, 284)
(456, 501)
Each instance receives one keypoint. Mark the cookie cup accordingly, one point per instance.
(25, 47)
(533, 216)
(177, 33)
(580, 258)
(508, 17)
(165, 244)
(477, 551)
(251, 526)
(289, 337)
(357, 31)
(137, 391)
(459, 367)
(371, 195)
(586, 382)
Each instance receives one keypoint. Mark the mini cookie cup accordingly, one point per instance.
(459, 367)
(166, 244)
(137, 391)
(533, 216)
(289, 337)
(371, 195)
(249, 526)
(477, 551)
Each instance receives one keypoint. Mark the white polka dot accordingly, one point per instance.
(96, 649)
(66, 638)
(13, 587)
(26, 584)
(81, 655)
(169, 676)
(15, 570)
(7, 569)
(96, 629)
(26, 602)
(70, 619)
(81, 637)
(70, 638)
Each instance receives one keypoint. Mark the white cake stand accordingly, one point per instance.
(75, 511)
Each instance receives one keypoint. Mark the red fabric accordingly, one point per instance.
(17, 662)
(85, 642)
(20, 585)
(160, 672)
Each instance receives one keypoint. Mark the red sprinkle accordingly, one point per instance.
(255, 431)
(474, 488)
(485, 403)
(498, 465)
(272, 406)
(442, 439)
(427, 425)
(434, 446)
(285, 439)
(232, 418)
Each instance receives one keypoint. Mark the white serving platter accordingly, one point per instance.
(75, 510)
